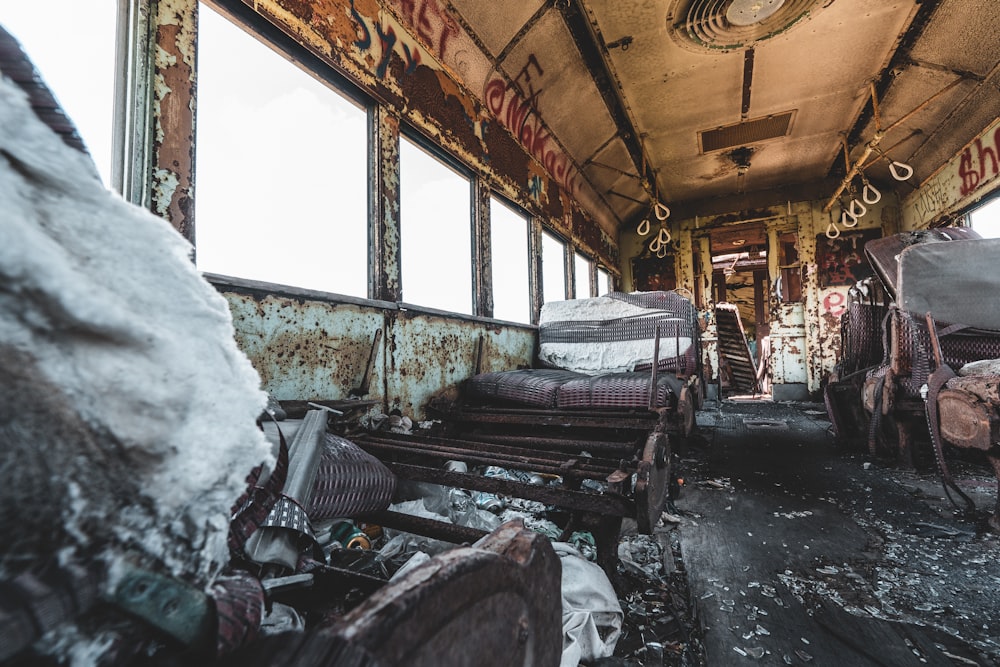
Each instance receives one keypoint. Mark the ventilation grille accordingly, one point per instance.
(746, 132)
(702, 24)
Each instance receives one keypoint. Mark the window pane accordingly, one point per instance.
(553, 268)
(509, 243)
(435, 213)
(72, 44)
(582, 268)
(986, 219)
(281, 168)
(603, 282)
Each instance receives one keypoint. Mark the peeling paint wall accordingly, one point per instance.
(173, 100)
(308, 346)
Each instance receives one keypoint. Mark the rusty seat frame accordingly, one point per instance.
(625, 446)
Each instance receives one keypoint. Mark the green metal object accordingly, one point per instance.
(176, 608)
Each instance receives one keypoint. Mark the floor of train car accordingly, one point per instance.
(797, 551)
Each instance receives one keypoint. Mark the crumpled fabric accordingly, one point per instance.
(592, 617)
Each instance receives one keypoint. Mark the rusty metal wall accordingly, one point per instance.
(308, 346)
(427, 353)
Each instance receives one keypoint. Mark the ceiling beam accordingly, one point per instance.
(592, 52)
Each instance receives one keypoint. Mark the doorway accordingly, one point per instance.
(740, 278)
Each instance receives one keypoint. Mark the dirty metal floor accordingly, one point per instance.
(799, 552)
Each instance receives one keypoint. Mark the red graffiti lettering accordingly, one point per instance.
(431, 22)
(976, 168)
(833, 303)
(523, 120)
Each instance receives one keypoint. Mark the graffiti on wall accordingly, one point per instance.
(514, 104)
(378, 39)
(835, 303)
(968, 175)
(432, 23)
(841, 261)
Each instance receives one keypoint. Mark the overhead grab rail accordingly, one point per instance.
(899, 170)
(658, 245)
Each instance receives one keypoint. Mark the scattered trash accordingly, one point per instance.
(936, 531)
(667, 517)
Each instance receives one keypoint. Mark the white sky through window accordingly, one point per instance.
(509, 245)
(553, 268)
(79, 72)
(281, 168)
(435, 220)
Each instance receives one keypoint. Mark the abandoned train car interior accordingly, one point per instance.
(455, 332)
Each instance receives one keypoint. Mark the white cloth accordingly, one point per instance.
(592, 617)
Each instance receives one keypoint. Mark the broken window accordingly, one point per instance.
(553, 268)
(435, 220)
(581, 266)
(509, 248)
(282, 168)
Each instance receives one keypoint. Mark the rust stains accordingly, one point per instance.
(173, 114)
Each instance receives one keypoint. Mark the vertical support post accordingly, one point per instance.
(482, 265)
(132, 160)
(385, 274)
(535, 267)
(174, 101)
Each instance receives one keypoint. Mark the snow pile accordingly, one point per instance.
(129, 406)
(611, 356)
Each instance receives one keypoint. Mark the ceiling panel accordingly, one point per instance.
(663, 88)
(496, 23)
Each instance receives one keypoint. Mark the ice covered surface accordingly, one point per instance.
(105, 320)
(605, 357)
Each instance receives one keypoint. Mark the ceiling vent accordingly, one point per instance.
(746, 132)
(725, 25)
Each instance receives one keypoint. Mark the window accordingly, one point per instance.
(509, 244)
(986, 219)
(553, 268)
(50, 33)
(281, 168)
(603, 282)
(435, 218)
(581, 266)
